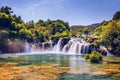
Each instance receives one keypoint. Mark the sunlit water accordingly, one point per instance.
(79, 68)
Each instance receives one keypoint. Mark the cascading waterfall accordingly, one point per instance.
(74, 46)
(57, 47)
(27, 47)
(65, 48)
(50, 44)
(33, 48)
(43, 46)
(86, 47)
(80, 46)
(108, 53)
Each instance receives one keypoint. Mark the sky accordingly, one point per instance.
(76, 12)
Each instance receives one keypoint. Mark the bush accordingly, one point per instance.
(87, 56)
(94, 57)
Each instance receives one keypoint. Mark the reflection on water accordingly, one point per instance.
(42, 59)
(71, 61)
(78, 67)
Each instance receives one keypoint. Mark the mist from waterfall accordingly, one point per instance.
(27, 47)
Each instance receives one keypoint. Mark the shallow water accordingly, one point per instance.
(78, 67)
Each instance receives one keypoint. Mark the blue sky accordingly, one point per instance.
(76, 12)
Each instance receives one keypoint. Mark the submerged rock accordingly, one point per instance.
(9, 71)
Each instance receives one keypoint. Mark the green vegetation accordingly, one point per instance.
(41, 30)
(109, 34)
(116, 16)
(77, 31)
(94, 57)
(13, 27)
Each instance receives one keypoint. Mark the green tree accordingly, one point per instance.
(5, 21)
(30, 24)
(6, 9)
(98, 30)
(65, 33)
(116, 16)
(25, 34)
(110, 36)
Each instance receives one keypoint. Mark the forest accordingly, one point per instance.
(14, 29)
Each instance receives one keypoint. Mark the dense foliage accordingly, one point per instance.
(109, 34)
(41, 30)
(12, 27)
(116, 16)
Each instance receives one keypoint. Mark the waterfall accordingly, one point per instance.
(33, 48)
(27, 47)
(78, 46)
(50, 44)
(65, 48)
(86, 48)
(108, 53)
(74, 46)
(57, 47)
(43, 46)
(71, 48)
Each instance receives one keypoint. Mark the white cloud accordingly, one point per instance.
(33, 8)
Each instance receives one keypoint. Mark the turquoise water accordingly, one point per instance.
(44, 59)
(86, 77)
(79, 68)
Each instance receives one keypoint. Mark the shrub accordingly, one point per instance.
(87, 56)
(94, 57)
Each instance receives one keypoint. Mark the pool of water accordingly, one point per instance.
(78, 67)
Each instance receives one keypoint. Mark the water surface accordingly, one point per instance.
(77, 68)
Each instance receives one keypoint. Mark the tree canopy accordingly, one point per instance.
(40, 30)
(116, 16)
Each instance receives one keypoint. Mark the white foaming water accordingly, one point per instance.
(65, 48)
(50, 41)
(77, 45)
(35, 48)
(108, 53)
(57, 47)
(43, 46)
